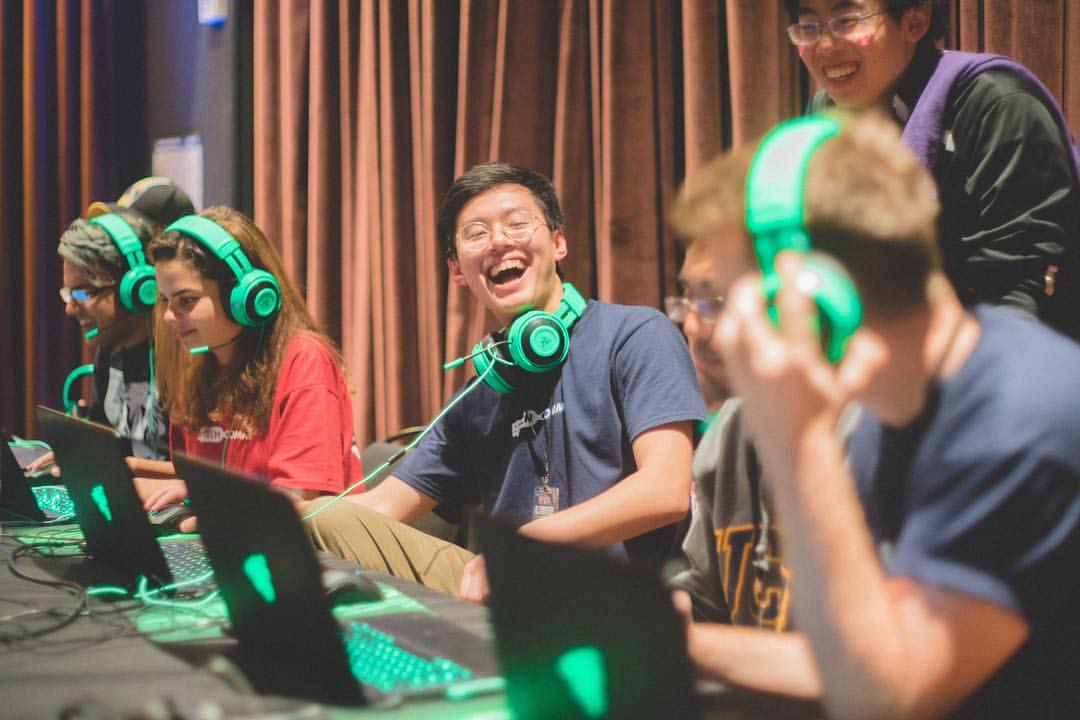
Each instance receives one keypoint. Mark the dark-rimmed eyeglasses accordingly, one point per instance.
(518, 226)
(841, 26)
(707, 309)
(82, 295)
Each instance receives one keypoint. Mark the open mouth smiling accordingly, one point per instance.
(506, 271)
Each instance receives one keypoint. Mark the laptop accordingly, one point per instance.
(581, 636)
(290, 641)
(17, 501)
(116, 529)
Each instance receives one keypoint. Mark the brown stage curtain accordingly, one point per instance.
(72, 130)
(366, 111)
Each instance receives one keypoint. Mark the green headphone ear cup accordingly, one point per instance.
(138, 289)
(838, 303)
(538, 341)
(255, 298)
(839, 309)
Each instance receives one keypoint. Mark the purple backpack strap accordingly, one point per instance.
(925, 128)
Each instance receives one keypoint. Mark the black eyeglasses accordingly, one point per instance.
(82, 295)
(708, 309)
(841, 26)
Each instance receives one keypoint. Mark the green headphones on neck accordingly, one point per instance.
(775, 212)
(536, 342)
(138, 288)
(255, 297)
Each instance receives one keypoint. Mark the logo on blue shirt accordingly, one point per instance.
(529, 418)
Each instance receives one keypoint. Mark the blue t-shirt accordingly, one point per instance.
(989, 505)
(628, 370)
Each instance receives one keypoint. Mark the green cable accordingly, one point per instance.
(393, 458)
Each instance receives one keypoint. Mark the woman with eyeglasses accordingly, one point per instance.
(109, 291)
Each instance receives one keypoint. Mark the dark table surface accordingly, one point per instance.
(118, 659)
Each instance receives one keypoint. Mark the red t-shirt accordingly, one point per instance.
(309, 443)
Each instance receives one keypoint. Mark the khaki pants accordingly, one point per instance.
(376, 542)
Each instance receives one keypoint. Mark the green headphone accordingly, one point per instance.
(256, 296)
(774, 216)
(138, 288)
(536, 342)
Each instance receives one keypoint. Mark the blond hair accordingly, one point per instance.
(869, 203)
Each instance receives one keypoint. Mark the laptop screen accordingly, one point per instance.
(93, 467)
(580, 635)
(16, 499)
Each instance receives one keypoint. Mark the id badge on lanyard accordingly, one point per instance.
(545, 499)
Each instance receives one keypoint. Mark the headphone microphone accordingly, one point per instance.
(203, 349)
(483, 347)
(95, 331)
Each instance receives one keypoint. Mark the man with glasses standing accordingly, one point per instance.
(593, 451)
(94, 268)
(993, 137)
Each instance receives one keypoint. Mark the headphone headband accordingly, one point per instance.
(217, 240)
(256, 297)
(774, 187)
(775, 216)
(138, 288)
(123, 236)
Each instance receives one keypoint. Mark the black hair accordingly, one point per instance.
(939, 20)
(481, 178)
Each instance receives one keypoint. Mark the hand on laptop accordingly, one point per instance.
(150, 469)
(40, 464)
(157, 493)
(474, 582)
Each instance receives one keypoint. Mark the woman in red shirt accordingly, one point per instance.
(246, 376)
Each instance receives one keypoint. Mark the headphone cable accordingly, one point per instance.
(476, 382)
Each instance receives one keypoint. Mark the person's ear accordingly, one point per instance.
(456, 276)
(915, 22)
(559, 239)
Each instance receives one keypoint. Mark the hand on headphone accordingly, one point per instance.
(785, 381)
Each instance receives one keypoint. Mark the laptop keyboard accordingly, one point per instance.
(53, 500)
(378, 661)
(187, 561)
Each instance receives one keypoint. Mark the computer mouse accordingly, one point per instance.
(345, 587)
(168, 519)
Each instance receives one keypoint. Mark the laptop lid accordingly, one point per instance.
(270, 581)
(107, 508)
(17, 500)
(581, 636)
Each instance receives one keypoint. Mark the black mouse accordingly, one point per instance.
(167, 519)
(345, 588)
